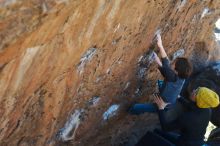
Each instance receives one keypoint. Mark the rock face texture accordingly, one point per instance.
(69, 69)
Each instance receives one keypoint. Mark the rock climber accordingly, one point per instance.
(171, 86)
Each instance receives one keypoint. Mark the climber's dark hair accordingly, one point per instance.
(183, 67)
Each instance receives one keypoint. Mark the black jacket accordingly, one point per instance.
(191, 123)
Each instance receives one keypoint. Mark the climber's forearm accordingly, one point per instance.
(160, 45)
(163, 52)
(157, 59)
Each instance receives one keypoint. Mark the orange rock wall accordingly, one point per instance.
(63, 64)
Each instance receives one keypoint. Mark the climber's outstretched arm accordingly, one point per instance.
(157, 59)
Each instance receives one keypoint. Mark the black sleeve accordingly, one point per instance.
(165, 125)
(166, 71)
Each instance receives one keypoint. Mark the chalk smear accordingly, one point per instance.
(217, 30)
(68, 132)
(86, 58)
(205, 12)
(181, 4)
(178, 53)
(94, 101)
(127, 85)
(112, 111)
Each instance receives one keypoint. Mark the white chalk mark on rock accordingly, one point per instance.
(182, 4)
(158, 32)
(127, 85)
(178, 53)
(117, 27)
(98, 79)
(140, 58)
(144, 63)
(86, 58)
(45, 7)
(94, 101)
(112, 111)
(137, 91)
(108, 71)
(68, 132)
(141, 73)
(114, 42)
(205, 12)
(217, 30)
(217, 24)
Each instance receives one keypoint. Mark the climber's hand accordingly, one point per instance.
(160, 103)
(159, 41)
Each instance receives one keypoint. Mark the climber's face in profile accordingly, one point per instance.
(173, 66)
(193, 94)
